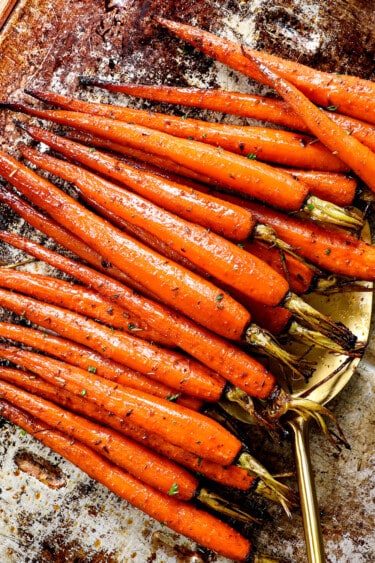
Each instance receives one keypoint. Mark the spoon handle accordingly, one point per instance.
(306, 485)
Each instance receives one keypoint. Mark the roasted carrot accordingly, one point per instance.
(69, 241)
(236, 103)
(217, 256)
(301, 276)
(87, 359)
(340, 189)
(76, 298)
(337, 188)
(259, 481)
(230, 476)
(152, 469)
(331, 249)
(273, 319)
(266, 144)
(229, 221)
(146, 465)
(177, 424)
(180, 516)
(351, 151)
(352, 96)
(158, 164)
(256, 179)
(63, 237)
(171, 368)
(176, 286)
(217, 353)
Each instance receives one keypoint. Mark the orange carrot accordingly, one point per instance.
(217, 256)
(76, 298)
(337, 188)
(219, 354)
(237, 103)
(62, 236)
(351, 151)
(270, 145)
(300, 275)
(331, 249)
(171, 368)
(230, 476)
(68, 240)
(87, 359)
(273, 319)
(176, 286)
(181, 517)
(149, 467)
(256, 179)
(177, 424)
(229, 221)
(352, 96)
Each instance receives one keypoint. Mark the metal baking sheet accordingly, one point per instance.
(49, 44)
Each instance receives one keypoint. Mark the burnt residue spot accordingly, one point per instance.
(38, 467)
(57, 548)
(330, 36)
(172, 544)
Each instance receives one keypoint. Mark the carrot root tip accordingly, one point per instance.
(327, 212)
(280, 492)
(307, 408)
(315, 338)
(219, 504)
(310, 317)
(267, 343)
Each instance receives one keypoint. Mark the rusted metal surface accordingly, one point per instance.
(49, 44)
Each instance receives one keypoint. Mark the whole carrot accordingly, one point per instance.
(217, 256)
(217, 353)
(171, 368)
(177, 515)
(237, 103)
(352, 96)
(259, 481)
(89, 360)
(75, 298)
(337, 188)
(256, 179)
(61, 235)
(174, 285)
(69, 241)
(150, 468)
(266, 144)
(195, 206)
(331, 249)
(356, 155)
(230, 476)
(177, 424)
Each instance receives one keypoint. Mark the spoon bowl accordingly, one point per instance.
(331, 375)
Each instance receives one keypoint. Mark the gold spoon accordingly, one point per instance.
(332, 372)
(331, 375)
